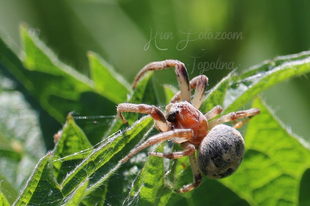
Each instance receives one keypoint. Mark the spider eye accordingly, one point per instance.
(172, 117)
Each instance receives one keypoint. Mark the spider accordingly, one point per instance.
(220, 148)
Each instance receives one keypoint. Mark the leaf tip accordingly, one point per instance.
(50, 154)
(69, 117)
(23, 26)
(90, 54)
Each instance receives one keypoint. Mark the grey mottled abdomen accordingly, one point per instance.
(221, 152)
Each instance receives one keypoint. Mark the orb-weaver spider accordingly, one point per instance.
(220, 148)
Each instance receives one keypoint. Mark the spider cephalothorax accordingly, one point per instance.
(183, 115)
(220, 148)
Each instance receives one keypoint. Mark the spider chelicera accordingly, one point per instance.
(220, 148)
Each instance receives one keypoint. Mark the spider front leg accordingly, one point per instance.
(158, 116)
(213, 112)
(233, 116)
(200, 83)
(180, 70)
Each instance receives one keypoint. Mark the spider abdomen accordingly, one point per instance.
(221, 152)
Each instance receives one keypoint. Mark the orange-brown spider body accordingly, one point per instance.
(183, 115)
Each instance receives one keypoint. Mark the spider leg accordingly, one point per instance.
(213, 112)
(189, 149)
(196, 175)
(180, 70)
(233, 116)
(157, 115)
(239, 124)
(180, 133)
(177, 97)
(200, 83)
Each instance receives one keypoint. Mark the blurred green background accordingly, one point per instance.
(124, 34)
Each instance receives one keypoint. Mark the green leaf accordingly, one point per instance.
(42, 187)
(43, 63)
(122, 184)
(76, 197)
(70, 149)
(136, 97)
(304, 188)
(217, 94)
(38, 57)
(147, 184)
(260, 77)
(53, 84)
(107, 81)
(271, 64)
(105, 160)
(169, 92)
(97, 196)
(56, 86)
(3, 200)
(273, 165)
(72, 140)
(234, 91)
(210, 192)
